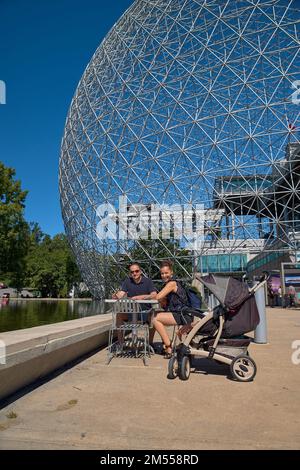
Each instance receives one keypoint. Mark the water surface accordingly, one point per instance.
(19, 314)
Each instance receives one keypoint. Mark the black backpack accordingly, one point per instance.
(194, 297)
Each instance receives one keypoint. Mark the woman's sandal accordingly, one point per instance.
(167, 354)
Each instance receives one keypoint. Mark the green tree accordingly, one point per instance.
(36, 233)
(146, 251)
(51, 267)
(14, 230)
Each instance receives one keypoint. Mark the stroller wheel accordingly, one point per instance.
(184, 368)
(243, 368)
(173, 368)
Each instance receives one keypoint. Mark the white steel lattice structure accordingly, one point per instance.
(187, 102)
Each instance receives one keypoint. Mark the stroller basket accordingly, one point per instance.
(229, 347)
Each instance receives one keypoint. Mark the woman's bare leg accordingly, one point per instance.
(185, 329)
(152, 329)
(159, 322)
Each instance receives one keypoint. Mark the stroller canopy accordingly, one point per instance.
(234, 295)
(229, 291)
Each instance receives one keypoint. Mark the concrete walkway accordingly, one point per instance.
(128, 406)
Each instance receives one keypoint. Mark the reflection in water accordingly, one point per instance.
(19, 314)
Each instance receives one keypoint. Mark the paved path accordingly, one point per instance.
(128, 406)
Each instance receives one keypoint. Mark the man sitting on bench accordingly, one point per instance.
(137, 286)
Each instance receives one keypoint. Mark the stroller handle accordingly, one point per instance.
(262, 280)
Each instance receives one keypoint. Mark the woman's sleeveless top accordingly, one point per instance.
(177, 300)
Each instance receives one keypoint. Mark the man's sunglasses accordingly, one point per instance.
(135, 271)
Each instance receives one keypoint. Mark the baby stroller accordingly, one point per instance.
(219, 333)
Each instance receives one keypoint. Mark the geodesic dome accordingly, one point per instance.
(186, 102)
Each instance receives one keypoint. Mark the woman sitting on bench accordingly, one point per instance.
(174, 298)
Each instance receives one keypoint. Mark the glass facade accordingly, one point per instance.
(262, 262)
(224, 263)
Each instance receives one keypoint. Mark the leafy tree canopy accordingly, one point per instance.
(14, 230)
(51, 267)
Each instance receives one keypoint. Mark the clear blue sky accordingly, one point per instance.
(45, 46)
